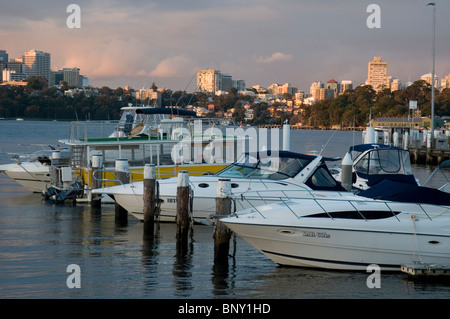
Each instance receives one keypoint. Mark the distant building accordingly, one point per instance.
(333, 86)
(209, 81)
(346, 85)
(37, 63)
(84, 81)
(377, 74)
(149, 96)
(4, 56)
(16, 65)
(314, 89)
(3, 62)
(280, 89)
(427, 78)
(212, 81)
(239, 85)
(227, 82)
(12, 76)
(396, 85)
(71, 76)
(445, 82)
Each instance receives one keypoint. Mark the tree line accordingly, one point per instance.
(352, 108)
(356, 107)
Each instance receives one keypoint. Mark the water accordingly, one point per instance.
(39, 240)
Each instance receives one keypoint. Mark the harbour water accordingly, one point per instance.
(39, 240)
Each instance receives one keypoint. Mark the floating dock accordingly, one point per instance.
(427, 271)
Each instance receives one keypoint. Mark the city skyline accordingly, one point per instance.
(262, 42)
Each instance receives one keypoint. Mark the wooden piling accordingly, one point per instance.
(96, 199)
(149, 198)
(222, 234)
(183, 207)
(123, 177)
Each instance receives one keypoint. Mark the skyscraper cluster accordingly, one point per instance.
(211, 81)
(38, 63)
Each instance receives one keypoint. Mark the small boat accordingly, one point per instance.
(348, 233)
(265, 176)
(32, 170)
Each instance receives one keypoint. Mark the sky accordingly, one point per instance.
(140, 42)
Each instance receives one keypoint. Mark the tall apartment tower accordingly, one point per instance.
(346, 85)
(72, 76)
(377, 74)
(209, 80)
(37, 63)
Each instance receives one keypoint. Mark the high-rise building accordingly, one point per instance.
(333, 86)
(445, 82)
(239, 85)
(37, 63)
(346, 85)
(314, 89)
(3, 56)
(209, 80)
(396, 85)
(16, 65)
(71, 76)
(377, 74)
(3, 63)
(427, 78)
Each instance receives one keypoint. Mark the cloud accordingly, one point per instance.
(177, 66)
(277, 56)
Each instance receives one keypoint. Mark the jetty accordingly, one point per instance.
(423, 149)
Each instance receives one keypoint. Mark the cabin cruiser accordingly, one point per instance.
(349, 233)
(265, 176)
(373, 163)
(170, 138)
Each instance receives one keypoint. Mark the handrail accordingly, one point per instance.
(285, 200)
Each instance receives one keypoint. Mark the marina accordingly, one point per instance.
(40, 239)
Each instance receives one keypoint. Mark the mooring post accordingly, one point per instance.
(222, 234)
(183, 207)
(96, 181)
(123, 177)
(149, 198)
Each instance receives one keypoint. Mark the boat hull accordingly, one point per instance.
(32, 176)
(348, 244)
(246, 194)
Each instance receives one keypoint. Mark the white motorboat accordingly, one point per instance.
(373, 163)
(349, 233)
(32, 170)
(266, 176)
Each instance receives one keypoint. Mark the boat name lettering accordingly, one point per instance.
(171, 200)
(316, 234)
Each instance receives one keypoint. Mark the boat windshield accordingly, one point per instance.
(385, 161)
(275, 168)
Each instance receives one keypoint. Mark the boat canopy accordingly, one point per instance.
(377, 162)
(275, 165)
(165, 110)
(280, 165)
(403, 192)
